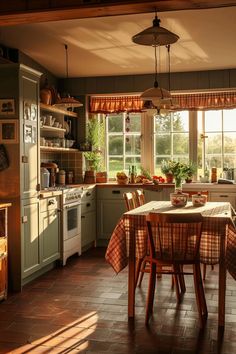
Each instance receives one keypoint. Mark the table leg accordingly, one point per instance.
(131, 275)
(222, 284)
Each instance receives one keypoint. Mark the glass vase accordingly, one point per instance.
(178, 183)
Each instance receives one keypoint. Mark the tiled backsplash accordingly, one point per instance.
(71, 161)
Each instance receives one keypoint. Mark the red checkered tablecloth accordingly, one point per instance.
(217, 222)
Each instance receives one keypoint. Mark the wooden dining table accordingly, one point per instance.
(129, 242)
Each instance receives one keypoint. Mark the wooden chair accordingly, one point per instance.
(140, 198)
(174, 241)
(130, 200)
(142, 264)
(190, 193)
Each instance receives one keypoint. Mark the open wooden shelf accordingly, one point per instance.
(51, 128)
(53, 109)
(57, 149)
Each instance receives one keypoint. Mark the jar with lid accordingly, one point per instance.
(62, 177)
(213, 175)
(70, 177)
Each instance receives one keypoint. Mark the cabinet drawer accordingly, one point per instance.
(49, 204)
(89, 205)
(113, 193)
(89, 193)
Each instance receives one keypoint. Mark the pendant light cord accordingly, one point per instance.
(155, 82)
(66, 49)
(168, 51)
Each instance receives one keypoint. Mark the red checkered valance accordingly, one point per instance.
(186, 101)
(115, 104)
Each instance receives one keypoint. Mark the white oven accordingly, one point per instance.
(71, 222)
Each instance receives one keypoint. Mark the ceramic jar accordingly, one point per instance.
(199, 199)
(178, 198)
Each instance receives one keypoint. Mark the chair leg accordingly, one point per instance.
(176, 284)
(202, 292)
(181, 279)
(142, 269)
(204, 272)
(200, 296)
(151, 292)
(138, 268)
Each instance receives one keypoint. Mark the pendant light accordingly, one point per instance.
(156, 94)
(155, 35)
(67, 101)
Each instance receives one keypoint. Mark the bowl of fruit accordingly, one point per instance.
(122, 178)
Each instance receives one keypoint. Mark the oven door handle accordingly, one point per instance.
(71, 205)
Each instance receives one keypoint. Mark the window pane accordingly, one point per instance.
(115, 164)
(180, 143)
(180, 121)
(135, 123)
(162, 124)
(136, 161)
(229, 119)
(213, 143)
(132, 145)
(163, 144)
(115, 123)
(230, 143)
(115, 145)
(213, 121)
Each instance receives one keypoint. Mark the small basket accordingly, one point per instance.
(122, 181)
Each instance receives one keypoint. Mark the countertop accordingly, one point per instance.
(114, 184)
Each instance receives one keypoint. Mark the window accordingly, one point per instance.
(171, 138)
(207, 138)
(217, 139)
(123, 142)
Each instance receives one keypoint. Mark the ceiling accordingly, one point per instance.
(102, 46)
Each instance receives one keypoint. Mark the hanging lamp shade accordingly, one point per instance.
(157, 95)
(67, 101)
(155, 35)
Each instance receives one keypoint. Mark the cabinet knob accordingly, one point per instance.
(88, 205)
(116, 192)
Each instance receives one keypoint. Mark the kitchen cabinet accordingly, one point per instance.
(30, 240)
(54, 129)
(162, 193)
(223, 197)
(88, 217)
(49, 229)
(110, 207)
(40, 235)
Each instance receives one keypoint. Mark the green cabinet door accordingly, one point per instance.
(88, 229)
(49, 222)
(30, 242)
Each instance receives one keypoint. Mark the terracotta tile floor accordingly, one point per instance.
(82, 308)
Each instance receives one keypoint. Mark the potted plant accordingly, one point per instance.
(94, 157)
(190, 170)
(176, 169)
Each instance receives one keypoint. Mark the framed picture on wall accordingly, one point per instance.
(8, 131)
(7, 107)
(28, 132)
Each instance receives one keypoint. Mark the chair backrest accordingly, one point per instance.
(130, 200)
(190, 193)
(140, 198)
(174, 238)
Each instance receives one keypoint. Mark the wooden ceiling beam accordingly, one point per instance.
(16, 12)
